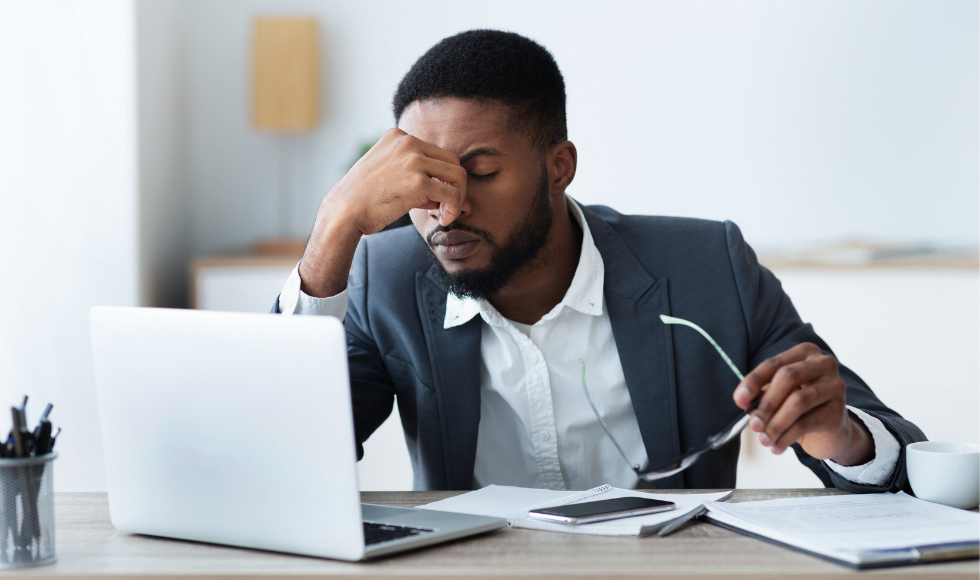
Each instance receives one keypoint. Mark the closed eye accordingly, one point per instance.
(485, 177)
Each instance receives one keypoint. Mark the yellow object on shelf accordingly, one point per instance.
(285, 74)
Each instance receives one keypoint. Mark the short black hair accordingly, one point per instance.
(492, 65)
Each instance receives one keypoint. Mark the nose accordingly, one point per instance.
(465, 210)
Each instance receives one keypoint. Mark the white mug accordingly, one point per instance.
(945, 472)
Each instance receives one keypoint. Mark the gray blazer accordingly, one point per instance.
(681, 390)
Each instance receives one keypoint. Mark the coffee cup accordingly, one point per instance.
(945, 472)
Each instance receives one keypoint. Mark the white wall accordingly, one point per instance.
(164, 203)
(801, 120)
(68, 214)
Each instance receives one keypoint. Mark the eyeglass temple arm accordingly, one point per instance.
(672, 320)
(601, 422)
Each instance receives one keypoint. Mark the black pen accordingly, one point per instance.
(42, 438)
(42, 433)
(19, 448)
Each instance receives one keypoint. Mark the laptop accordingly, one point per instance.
(237, 429)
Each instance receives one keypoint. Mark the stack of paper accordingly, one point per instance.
(857, 530)
(514, 503)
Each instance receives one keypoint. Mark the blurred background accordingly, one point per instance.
(136, 168)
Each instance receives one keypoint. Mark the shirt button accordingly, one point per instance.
(544, 436)
(535, 358)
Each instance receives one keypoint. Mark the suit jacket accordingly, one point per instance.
(681, 390)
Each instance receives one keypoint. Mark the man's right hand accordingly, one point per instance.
(398, 174)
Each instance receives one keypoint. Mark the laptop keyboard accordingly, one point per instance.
(377, 533)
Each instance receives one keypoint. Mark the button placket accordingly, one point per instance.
(543, 428)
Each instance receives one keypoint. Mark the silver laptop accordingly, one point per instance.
(237, 429)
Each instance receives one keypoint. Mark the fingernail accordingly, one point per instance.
(742, 392)
(764, 439)
(757, 424)
(777, 451)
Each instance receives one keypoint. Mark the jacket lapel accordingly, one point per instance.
(635, 301)
(454, 354)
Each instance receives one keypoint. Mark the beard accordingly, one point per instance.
(522, 246)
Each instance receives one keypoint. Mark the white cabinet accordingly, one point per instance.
(244, 283)
(912, 334)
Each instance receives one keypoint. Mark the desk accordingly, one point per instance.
(88, 546)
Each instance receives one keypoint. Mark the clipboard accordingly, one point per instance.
(877, 558)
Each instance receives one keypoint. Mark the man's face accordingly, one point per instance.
(507, 214)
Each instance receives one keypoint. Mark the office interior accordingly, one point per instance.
(842, 137)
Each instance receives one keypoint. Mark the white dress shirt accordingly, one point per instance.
(536, 426)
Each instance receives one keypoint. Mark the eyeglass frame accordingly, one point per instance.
(691, 456)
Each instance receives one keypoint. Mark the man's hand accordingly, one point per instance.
(398, 174)
(802, 401)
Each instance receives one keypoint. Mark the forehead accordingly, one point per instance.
(459, 125)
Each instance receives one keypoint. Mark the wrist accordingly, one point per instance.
(326, 262)
(859, 447)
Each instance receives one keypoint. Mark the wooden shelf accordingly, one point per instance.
(944, 263)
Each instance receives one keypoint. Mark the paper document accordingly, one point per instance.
(513, 503)
(857, 529)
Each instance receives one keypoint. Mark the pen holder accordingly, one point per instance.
(26, 512)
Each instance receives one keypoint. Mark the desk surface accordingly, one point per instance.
(88, 546)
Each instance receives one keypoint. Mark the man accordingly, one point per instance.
(476, 319)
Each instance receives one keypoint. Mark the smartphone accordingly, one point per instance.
(600, 511)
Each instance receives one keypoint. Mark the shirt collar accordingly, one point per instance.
(584, 294)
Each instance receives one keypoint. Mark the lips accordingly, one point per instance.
(455, 244)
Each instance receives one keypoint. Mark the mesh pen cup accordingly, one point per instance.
(26, 511)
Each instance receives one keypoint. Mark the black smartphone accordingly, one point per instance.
(600, 511)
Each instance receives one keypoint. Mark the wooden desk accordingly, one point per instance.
(89, 547)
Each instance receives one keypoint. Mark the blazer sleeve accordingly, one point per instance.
(372, 393)
(774, 326)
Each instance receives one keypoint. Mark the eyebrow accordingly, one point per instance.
(488, 151)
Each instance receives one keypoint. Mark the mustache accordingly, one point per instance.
(487, 236)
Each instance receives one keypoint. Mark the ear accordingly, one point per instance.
(562, 161)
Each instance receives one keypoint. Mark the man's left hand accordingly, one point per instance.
(803, 401)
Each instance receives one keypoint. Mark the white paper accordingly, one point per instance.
(850, 526)
(513, 503)
(497, 501)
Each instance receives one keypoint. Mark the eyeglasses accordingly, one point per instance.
(687, 459)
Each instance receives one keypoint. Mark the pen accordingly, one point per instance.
(18, 435)
(42, 438)
(679, 522)
(42, 433)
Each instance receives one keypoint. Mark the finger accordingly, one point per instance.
(397, 139)
(443, 171)
(750, 387)
(800, 402)
(807, 423)
(448, 197)
(391, 136)
(436, 152)
(786, 380)
(791, 436)
(447, 173)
